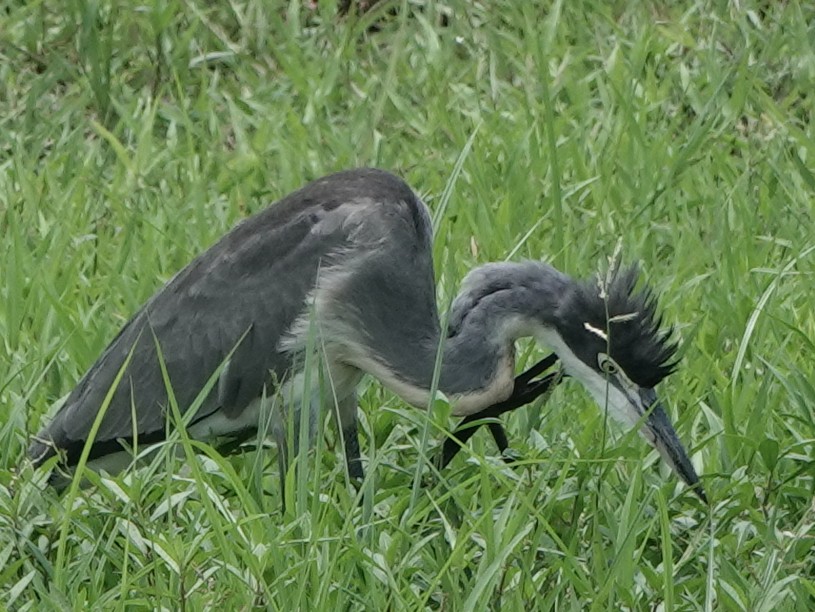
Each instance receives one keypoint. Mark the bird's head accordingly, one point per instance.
(610, 338)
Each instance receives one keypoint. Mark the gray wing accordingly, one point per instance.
(245, 291)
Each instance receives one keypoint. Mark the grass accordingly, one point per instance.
(134, 135)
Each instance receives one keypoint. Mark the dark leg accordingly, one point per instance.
(524, 393)
(497, 430)
(353, 460)
(539, 368)
(347, 419)
(499, 434)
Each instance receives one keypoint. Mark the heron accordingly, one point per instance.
(343, 268)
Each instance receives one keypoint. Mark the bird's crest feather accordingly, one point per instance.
(629, 319)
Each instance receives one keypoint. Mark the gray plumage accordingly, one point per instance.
(346, 260)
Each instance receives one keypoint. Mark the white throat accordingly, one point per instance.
(607, 396)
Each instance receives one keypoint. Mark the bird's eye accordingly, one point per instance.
(607, 365)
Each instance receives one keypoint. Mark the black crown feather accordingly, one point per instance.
(628, 319)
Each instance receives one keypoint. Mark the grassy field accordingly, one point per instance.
(132, 135)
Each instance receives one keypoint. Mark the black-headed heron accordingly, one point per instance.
(343, 269)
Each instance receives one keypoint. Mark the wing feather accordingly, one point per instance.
(244, 293)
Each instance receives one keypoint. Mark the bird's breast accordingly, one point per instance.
(497, 389)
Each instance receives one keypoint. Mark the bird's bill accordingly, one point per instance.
(662, 436)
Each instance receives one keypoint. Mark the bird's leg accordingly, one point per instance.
(347, 419)
(525, 391)
(353, 460)
(499, 434)
(465, 430)
(519, 398)
(521, 388)
(539, 368)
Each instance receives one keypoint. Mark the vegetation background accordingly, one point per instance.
(132, 135)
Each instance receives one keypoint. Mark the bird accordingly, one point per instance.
(297, 303)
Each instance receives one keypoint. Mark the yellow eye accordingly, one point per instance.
(607, 365)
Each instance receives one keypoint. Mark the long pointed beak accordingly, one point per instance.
(661, 434)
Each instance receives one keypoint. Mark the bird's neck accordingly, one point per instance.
(473, 363)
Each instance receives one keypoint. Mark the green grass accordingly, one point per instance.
(132, 135)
